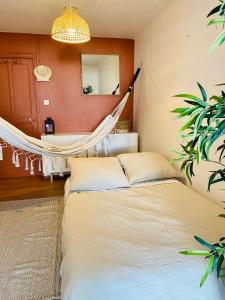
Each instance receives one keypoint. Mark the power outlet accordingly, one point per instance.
(46, 102)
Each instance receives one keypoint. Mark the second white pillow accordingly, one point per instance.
(146, 166)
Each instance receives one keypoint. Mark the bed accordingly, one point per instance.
(123, 243)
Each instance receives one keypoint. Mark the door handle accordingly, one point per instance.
(30, 120)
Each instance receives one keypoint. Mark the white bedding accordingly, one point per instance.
(123, 244)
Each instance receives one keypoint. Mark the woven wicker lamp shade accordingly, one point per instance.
(70, 28)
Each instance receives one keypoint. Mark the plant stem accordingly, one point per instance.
(216, 162)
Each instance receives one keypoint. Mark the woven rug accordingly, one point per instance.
(30, 234)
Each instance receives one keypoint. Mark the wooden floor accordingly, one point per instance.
(30, 188)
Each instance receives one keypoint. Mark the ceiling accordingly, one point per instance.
(107, 18)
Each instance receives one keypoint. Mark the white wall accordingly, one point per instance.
(108, 71)
(90, 77)
(174, 50)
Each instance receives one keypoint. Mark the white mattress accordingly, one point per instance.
(124, 244)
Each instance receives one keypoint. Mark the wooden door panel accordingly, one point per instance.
(5, 102)
(21, 105)
(23, 95)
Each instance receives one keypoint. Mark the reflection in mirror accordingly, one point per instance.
(100, 74)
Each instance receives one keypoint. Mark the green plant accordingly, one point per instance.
(88, 90)
(219, 20)
(215, 256)
(205, 125)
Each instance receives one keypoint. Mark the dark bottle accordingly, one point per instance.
(49, 126)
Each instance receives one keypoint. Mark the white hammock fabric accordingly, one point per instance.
(16, 138)
(34, 149)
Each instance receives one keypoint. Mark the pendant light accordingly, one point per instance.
(70, 27)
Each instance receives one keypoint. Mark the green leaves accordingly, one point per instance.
(199, 121)
(222, 216)
(214, 11)
(188, 167)
(217, 21)
(220, 10)
(219, 264)
(189, 123)
(216, 177)
(203, 92)
(218, 41)
(208, 270)
(205, 124)
(203, 243)
(215, 257)
(221, 149)
(194, 100)
(195, 252)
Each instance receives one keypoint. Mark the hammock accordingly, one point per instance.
(35, 149)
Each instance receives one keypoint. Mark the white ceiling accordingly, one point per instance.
(107, 18)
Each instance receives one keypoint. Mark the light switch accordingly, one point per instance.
(46, 102)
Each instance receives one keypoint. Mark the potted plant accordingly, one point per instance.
(205, 125)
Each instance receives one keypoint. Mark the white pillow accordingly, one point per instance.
(96, 173)
(146, 166)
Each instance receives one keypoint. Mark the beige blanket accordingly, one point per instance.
(124, 244)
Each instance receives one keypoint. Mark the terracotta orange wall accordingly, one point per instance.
(71, 111)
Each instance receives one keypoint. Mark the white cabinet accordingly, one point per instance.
(113, 145)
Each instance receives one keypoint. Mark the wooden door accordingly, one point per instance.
(17, 102)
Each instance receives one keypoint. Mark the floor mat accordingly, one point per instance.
(30, 238)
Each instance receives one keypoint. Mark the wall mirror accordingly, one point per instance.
(100, 74)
